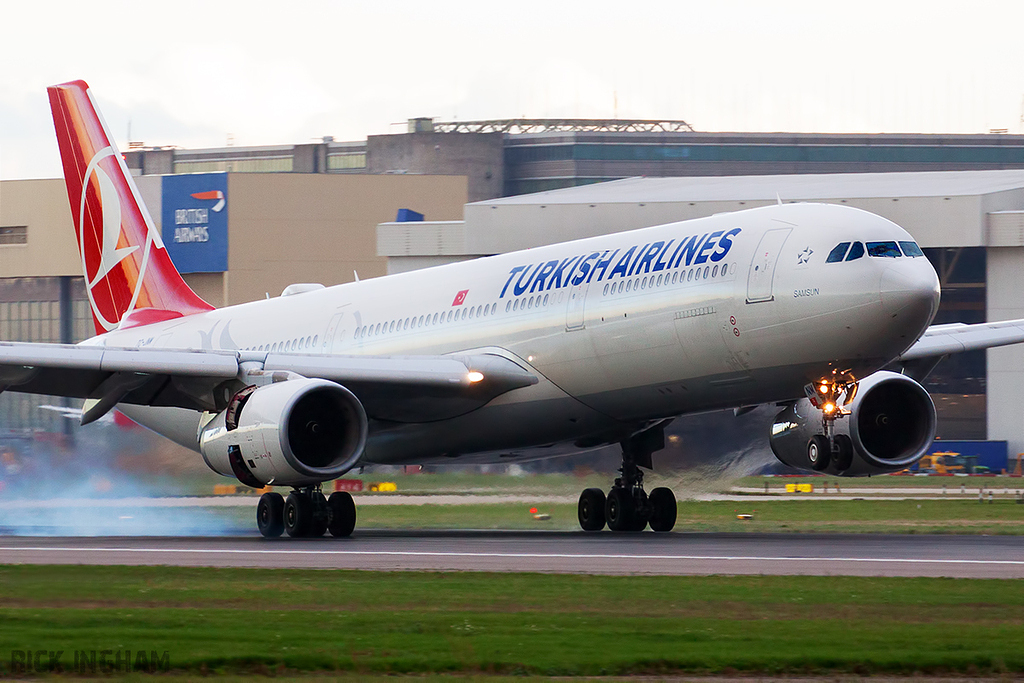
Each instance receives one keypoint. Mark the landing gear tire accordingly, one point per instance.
(342, 514)
(298, 514)
(819, 452)
(270, 515)
(663, 509)
(619, 510)
(842, 454)
(591, 510)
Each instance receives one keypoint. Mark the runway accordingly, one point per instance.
(554, 552)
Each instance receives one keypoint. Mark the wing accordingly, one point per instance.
(942, 340)
(398, 388)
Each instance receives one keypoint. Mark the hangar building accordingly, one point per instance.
(516, 156)
(320, 212)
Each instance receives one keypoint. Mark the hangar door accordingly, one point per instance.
(762, 266)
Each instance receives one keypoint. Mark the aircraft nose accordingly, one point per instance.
(910, 296)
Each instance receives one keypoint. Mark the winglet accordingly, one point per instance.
(125, 263)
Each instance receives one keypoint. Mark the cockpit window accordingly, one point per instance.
(911, 249)
(856, 251)
(837, 254)
(884, 250)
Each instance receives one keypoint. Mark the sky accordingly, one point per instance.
(210, 73)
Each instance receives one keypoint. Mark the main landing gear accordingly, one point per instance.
(829, 448)
(627, 507)
(306, 513)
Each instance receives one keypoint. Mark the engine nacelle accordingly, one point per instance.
(293, 433)
(891, 424)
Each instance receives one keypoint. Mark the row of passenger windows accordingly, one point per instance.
(301, 344)
(424, 321)
(523, 303)
(705, 273)
(844, 250)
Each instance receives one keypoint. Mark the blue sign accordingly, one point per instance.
(195, 221)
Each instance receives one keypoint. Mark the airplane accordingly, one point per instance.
(823, 310)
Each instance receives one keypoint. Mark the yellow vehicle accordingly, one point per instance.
(948, 463)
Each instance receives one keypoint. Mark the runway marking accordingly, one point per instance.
(561, 556)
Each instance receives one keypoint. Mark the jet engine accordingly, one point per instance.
(294, 433)
(887, 427)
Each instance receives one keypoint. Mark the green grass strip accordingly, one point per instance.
(267, 621)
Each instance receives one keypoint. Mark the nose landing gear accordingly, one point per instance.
(829, 448)
(627, 507)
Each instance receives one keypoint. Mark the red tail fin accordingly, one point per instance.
(126, 266)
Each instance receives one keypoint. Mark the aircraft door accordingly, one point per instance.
(332, 331)
(575, 307)
(761, 274)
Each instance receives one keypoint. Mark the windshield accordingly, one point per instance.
(911, 249)
(884, 250)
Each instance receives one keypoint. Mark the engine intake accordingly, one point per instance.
(891, 424)
(293, 433)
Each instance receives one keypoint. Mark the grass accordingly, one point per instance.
(280, 621)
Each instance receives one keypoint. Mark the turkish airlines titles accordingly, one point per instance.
(649, 258)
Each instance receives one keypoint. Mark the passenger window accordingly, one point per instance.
(621, 287)
(714, 272)
(837, 254)
(911, 249)
(661, 278)
(546, 296)
(629, 285)
(884, 250)
(689, 275)
(508, 307)
(315, 338)
(707, 271)
(856, 251)
(464, 314)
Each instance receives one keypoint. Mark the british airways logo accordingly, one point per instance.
(192, 225)
(608, 264)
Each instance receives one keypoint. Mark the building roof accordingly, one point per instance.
(797, 187)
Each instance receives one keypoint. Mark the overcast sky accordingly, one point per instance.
(194, 74)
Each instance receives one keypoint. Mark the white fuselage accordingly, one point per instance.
(731, 310)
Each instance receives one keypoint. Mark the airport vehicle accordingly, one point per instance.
(822, 309)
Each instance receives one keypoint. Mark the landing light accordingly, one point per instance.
(829, 408)
(475, 376)
(823, 388)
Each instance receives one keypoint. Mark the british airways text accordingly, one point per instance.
(649, 258)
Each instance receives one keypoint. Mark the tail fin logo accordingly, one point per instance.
(110, 205)
(101, 255)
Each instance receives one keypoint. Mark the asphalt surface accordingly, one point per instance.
(559, 552)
